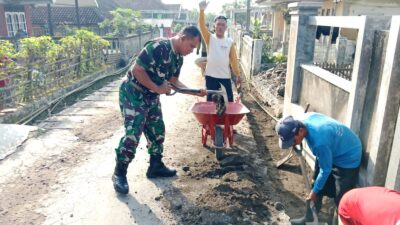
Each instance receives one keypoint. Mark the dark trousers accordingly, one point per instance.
(339, 181)
(215, 83)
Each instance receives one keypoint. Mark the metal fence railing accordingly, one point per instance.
(28, 82)
(342, 70)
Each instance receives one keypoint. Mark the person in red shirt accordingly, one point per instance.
(370, 206)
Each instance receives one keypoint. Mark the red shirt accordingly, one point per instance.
(370, 206)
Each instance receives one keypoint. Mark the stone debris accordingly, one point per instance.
(270, 84)
(273, 80)
(186, 168)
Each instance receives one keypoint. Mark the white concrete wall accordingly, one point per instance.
(333, 92)
(246, 55)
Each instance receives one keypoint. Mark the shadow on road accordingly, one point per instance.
(140, 213)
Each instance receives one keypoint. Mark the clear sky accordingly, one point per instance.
(214, 6)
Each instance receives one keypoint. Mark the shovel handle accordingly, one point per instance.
(213, 92)
(188, 90)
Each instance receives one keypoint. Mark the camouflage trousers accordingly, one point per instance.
(142, 114)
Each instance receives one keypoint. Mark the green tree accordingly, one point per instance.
(123, 22)
(177, 27)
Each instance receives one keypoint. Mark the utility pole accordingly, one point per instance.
(248, 17)
(78, 19)
(50, 20)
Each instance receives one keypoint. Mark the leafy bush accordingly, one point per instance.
(123, 22)
(266, 56)
(177, 27)
(279, 57)
(46, 65)
(7, 52)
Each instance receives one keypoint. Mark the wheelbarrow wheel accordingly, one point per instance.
(219, 143)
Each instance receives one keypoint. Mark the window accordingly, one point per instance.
(15, 21)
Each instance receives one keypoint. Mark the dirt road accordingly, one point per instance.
(62, 173)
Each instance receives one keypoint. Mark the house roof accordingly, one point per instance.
(82, 3)
(106, 5)
(25, 2)
(277, 2)
(67, 15)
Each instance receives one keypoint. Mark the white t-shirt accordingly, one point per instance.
(218, 57)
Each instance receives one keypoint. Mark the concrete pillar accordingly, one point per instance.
(301, 48)
(341, 45)
(285, 40)
(383, 160)
(362, 64)
(393, 175)
(278, 28)
(256, 57)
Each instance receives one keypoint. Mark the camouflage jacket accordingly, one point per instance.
(160, 61)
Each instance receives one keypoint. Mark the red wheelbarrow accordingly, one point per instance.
(220, 128)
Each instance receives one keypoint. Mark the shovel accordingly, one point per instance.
(221, 91)
(309, 204)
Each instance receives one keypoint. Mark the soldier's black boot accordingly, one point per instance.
(308, 216)
(158, 169)
(119, 178)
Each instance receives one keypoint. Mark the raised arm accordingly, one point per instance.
(202, 22)
(233, 61)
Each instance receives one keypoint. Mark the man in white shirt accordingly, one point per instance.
(221, 55)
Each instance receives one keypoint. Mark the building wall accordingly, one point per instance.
(3, 25)
(357, 8)
(330, 8)
(378, 8)
(375, 10)
(28, 17)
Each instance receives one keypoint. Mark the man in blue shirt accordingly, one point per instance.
(337, 150)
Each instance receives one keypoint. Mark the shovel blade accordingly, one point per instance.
(224, 93)
(285, 159)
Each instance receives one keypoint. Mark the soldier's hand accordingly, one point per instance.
(202, 93)
(164, 88)
(203, 5)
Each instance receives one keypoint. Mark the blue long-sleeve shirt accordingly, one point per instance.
(333, 144)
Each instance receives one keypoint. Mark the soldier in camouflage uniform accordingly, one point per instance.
(158, 64)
